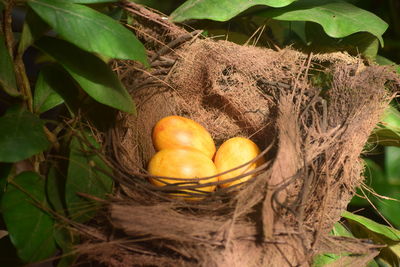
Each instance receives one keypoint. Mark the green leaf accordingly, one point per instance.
(373, 263)
(33, 28)
(388, 232)
(338, 18)
(5, 170)
(326, 258)
(384, 61)
(65, 240)
(330, 258)
(387, 133)
(390, 209)
(164, 6)
(92, 74)
(84, 177)
(89, 29)
(55, 187)
(219, 10)
(30, 227)
(45, 97)
(384, 137)
(361, 43)
(7, 76)
(358, 43)
(391, 119)
(392, 166)
(375, 179)
(92, 1)
(60, 83)
(365, 228)
(116, 13)
(382, 263)
(21, 135)
(340, 230)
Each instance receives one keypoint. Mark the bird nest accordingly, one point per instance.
(311, 115)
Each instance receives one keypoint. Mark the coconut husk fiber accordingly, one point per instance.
(313, 133)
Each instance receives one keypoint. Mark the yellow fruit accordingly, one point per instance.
(185, 164)
(179, 132)
(233, 153)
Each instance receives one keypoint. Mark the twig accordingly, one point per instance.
(174, 43)
(52, 138)
(149, 15)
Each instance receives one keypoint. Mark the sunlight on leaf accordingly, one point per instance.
(89, 29)
(93, 75)
(366, 228)
(338, 18)
(375, 227)
(219, 10)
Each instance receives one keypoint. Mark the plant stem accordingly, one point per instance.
(19, 66)
(7, 29)
(23, 81)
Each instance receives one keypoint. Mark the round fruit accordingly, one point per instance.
(185, 164)
(233, 153)
(179, 132)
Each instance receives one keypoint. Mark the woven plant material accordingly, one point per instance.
(313, 132)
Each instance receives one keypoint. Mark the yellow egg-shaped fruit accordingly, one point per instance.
(233, 153)
(185, 164)
(179, 132)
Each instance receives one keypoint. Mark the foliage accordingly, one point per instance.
(24, 208)
(51, 165)
(361, 227)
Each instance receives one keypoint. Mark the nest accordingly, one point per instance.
(311, 113)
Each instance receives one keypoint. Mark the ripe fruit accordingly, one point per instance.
(233, 153)
(182, 163)
(179, 132)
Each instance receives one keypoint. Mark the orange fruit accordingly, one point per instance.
(233, 153)
(184, 164)
(179, 132)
